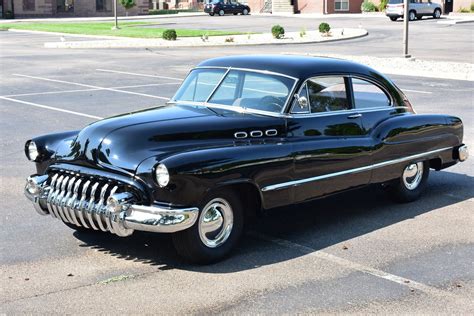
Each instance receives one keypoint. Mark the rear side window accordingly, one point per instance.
(367, 95)
(327, 94)
(395, 1)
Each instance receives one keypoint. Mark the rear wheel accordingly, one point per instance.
(216, 231)
(211, 13)
(393, 18)
(437, 13)
(411, 184)
(221, 12)
(411, 16)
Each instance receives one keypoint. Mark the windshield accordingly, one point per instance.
(239, 88)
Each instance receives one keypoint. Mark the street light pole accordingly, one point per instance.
(406, 19)
(116, 27)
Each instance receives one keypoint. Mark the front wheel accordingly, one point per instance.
(221, 12)
(211, 13)
(437, 14)
(393, 18)
(245, 12)
(411, 184)
(412, 16)
(216, 231)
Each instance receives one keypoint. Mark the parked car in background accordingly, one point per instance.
(417, 9)
(222, 7)
(242, 135)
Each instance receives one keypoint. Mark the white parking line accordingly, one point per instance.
(52, 108)
(91, 89)
(417, 91)
(358, 267)
(94, 87)
(137, 74)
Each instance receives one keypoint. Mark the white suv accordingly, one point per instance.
(417, 9)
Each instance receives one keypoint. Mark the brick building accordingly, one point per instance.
(334, 6)
(69, 8)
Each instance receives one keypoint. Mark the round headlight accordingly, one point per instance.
(32, 151)
(162, 175)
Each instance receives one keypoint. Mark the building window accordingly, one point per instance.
(341, 5)
(65, 6)
(103, 5)
(28, 5)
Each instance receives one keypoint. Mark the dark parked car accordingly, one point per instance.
(222, 7)
(242, 134)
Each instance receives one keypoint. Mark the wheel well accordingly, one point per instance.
(436, 163)
(250, 197)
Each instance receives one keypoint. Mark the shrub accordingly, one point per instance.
(472, 7)
(324, 28)
(368, 6)
(464, 10)
(9, 15)
(160, 12)
(169, 35)
(128, 4)
(229, 39)
(303, 32)
(278, 31)
(383, 5)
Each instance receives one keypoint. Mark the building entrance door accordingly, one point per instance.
(448, 6)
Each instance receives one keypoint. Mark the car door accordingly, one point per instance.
(377, 106)
(329, 142)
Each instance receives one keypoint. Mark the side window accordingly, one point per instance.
(367, 95)
(199, 85)
(327, 94)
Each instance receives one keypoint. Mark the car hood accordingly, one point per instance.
(126, 140)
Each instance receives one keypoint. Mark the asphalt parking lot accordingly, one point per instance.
(356, 252)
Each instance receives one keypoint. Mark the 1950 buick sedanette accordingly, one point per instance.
(241, 134)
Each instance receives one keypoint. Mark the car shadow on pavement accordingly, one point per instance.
(317, 225)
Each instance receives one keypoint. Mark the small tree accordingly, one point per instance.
(324, 28)
(127, 4)
(170, 35)
(278, 31)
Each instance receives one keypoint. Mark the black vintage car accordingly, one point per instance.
(242, 134)
(222, 7)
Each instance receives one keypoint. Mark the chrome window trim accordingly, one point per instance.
(237, 109)
(350, 171)
(351, 111)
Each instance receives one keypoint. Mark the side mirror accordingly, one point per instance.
(302, 102)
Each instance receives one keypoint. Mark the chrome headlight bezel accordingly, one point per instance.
(31, 151)
(162, 175)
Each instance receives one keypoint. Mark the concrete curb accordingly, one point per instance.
(453, 21)
(258, 39)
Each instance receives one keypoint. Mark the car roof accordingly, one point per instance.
(300, 67)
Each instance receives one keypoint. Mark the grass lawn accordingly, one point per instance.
(127, 29)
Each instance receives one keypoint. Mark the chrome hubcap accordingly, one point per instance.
(412, 175)
(215, 223)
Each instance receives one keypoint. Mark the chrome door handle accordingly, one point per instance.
(353, 116)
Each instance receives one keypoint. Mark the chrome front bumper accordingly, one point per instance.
(66, 199)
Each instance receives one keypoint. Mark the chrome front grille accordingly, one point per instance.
(81, 200)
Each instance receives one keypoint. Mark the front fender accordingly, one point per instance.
(194, 173)
(48, 145)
